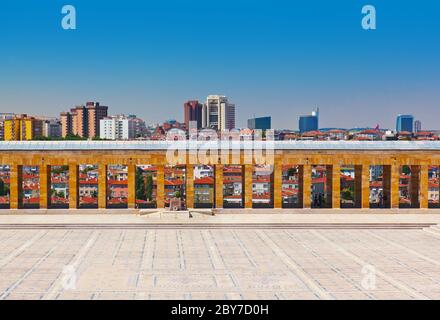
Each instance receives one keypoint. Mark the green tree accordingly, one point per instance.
(2, 188)
(291, 172)
(406, 170)
(140, 185)
(149, 188)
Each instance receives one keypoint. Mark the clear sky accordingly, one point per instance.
(278, 58)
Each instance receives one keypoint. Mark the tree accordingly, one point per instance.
(2, 188)
(291, 172)
(140, 185)
(149, 188)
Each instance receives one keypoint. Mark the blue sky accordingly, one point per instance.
(278, 58)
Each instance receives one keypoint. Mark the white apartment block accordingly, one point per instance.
(218, 113)
(117, 128)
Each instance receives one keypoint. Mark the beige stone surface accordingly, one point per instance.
(208, 263)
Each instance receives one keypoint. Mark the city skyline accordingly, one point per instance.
(149, 59)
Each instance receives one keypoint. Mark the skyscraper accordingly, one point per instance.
(262, 123)
(404, 122)
(193, 111)
(309, 122)
(218, 113)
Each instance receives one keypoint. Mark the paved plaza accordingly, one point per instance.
(230, 263)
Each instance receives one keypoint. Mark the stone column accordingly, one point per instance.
(386, 184)
(424, 187)
(160, 180)
(415, 184)
(44, 186)
(307, 186)
(131, 186)
(300, 186)
(190, 186)
(73, 186)
(358, 186)
(335, 183)
(395, 180)
(365, 178)
(15, 185)
(102, 186)
(248, 168)
(218, 186)
(277, 183)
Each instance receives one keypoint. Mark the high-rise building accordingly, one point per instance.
(51, 129)
(262, 123)
(117, 128)
(3, 117)
(22, 127)
(83, 120)
(193, 111)
(309, 122)
(66, 124)
(95, 113)
(404, 122)
(139, 126)
(218, 113)
(417, 126)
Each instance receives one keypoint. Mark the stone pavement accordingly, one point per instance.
(234, 263)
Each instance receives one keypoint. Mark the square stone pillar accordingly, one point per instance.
(44, 186)
(357, 186)
(73, 186)
(15, 186)
(424, 187)
(300, 186)
(219, 186)
(190, 186)
(395, 180)
(307, 186)
(415, 185)
(102, 186)
(248, 169)
(160, 181)
(131, 186)
(365, 178)
(386, 184)
(277, 184)
(335, 183)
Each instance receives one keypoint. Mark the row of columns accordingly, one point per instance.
(390, 182)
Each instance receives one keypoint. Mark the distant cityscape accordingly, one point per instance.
(93, 122)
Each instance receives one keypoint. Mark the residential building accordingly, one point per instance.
(22, 127)
(95, 113)
(83, 120)
(51, 129)
(404, 122)
(417, 126)
(261, 123)
(117, 128)
(3, 117)
(138, 126)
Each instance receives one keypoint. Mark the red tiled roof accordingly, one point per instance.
(204, 180)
